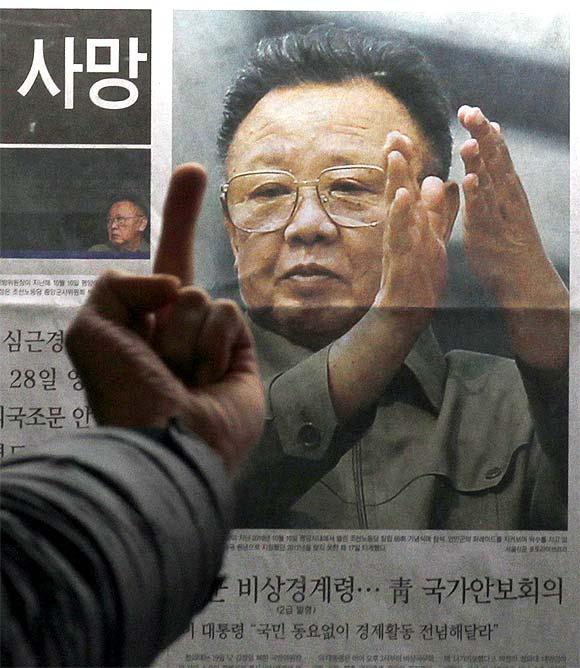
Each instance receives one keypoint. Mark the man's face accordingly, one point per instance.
(125, 226)
(312, 280)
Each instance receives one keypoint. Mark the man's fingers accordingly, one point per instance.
(494, 150)
(502, 170)
(484, 133)
(474, 121)
(200, 339)
(433, 198)
(182, 205)
(403, 144)
(479, 127)
(471, 156)
(397, 141)
(434, 194)
(147, 293)
(118, 296)
(469, 153)
(399, 176)
(395, 176)
(477, 212)
(398, 230)
(217, 340)
(510, 198)
(178, 330)
(108, 342)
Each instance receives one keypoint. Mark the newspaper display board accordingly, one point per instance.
(97, 106)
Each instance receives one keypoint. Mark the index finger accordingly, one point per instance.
(184, 197)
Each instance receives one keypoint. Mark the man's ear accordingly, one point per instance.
(233, 237)
(452, 202)
(143, 223)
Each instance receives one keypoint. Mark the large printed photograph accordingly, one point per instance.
(388, 199)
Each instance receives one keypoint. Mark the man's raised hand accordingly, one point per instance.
(418, 223)
(148, 349)
(504, 249)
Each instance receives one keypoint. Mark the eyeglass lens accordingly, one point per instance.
(351, 196)
(121, 221)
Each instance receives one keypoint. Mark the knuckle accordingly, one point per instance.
(194, 297)
(106, 280)
(228, 308)
(201, 294)
(110, 275)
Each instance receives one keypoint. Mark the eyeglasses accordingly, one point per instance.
(265, 201)
(121, 221)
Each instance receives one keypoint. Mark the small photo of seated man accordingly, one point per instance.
(127, 220)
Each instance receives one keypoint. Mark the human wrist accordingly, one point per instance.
(530, 283)
(364, 360)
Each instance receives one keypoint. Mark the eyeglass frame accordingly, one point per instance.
(309, 183)
(111, 221)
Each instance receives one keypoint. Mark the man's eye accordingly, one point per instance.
(270, 191)
(348, 187)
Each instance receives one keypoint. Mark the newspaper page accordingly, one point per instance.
(433, 531)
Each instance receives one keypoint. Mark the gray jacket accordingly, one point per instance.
(461, 441)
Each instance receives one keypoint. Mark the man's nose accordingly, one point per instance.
(310, 223)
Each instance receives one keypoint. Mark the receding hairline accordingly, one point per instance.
(134, 204)
(429, 160)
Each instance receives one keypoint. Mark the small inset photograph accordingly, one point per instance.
(74, 203)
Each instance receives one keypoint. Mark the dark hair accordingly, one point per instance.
(126, 196)
(329, 54)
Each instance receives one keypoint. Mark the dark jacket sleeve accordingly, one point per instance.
(111, 542)
(547, 392)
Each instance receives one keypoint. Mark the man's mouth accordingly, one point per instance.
(309, 272)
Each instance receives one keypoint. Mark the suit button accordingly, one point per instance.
(309, 436)
(492, 473)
